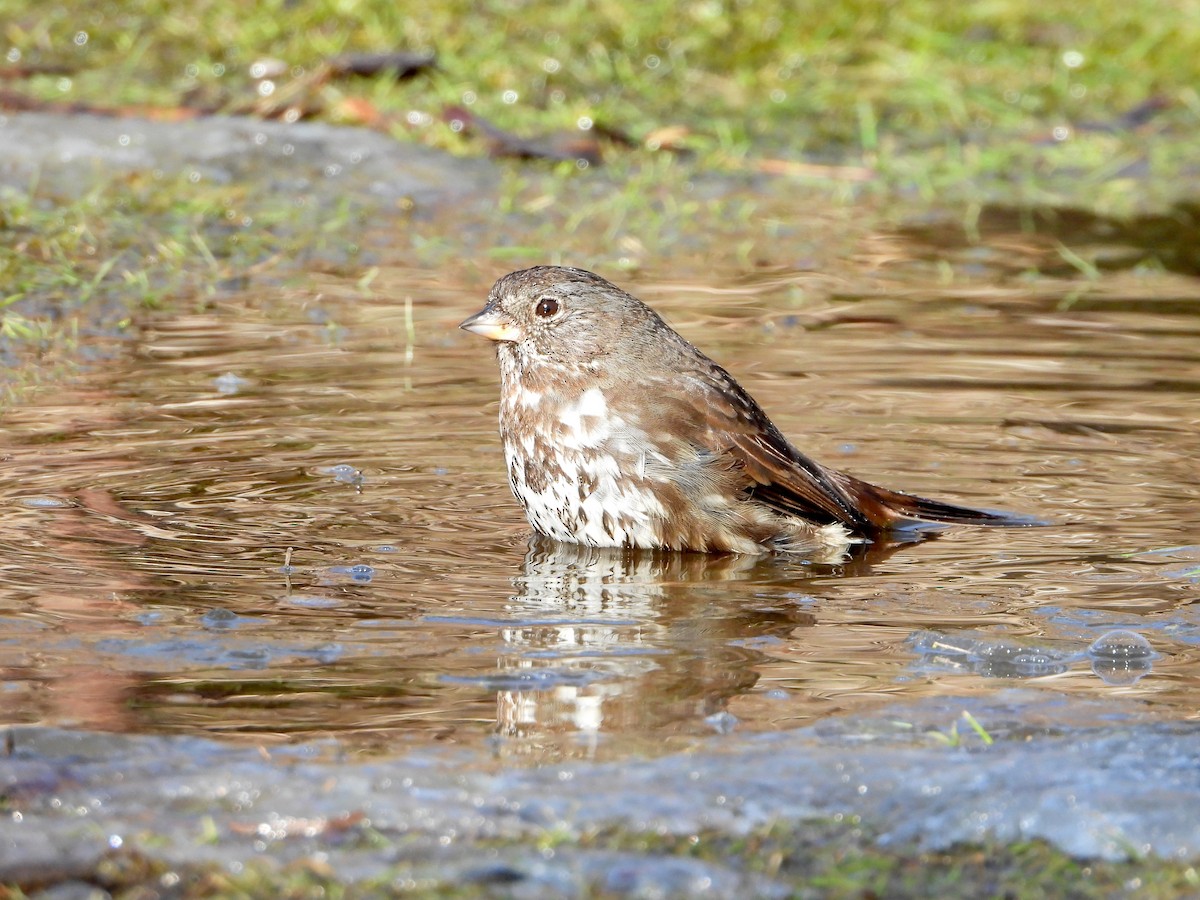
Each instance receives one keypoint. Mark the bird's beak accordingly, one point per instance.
(489, 323)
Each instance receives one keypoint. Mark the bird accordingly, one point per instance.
(618, 432)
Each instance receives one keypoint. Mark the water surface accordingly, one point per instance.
(286, 516)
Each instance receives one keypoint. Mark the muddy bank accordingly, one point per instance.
(108, 219)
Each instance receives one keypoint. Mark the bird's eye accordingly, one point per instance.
(546, 307)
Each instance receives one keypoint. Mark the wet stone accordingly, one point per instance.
(70, 153)
(1067, 788)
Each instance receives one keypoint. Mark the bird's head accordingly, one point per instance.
(564, 316)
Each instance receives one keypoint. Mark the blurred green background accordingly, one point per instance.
(835, 79)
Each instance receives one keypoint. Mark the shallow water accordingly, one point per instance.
(287, 516)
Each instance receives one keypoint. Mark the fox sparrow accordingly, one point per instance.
(619, 433)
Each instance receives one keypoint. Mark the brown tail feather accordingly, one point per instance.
(892, 509)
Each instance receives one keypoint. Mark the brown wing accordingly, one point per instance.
(790, 482)
(784, 479)
(732, 425)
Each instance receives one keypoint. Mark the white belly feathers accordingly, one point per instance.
(583, 496)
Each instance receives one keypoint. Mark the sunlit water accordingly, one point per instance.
(288, 517)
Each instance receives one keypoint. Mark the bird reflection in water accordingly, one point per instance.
(641, 643)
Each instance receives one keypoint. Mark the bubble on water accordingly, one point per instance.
(360, 572)
(1121, 657)
(312, 601)
(81, 38)
(993, 658)
(229, 383)
(510, 97)
(1002, 659)
(220, 618)
(801, 598)
(1121, 644)
(723, 722)
(46, 503)
(1072, 59)
(343, 473)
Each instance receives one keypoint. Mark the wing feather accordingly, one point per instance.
(733, 429)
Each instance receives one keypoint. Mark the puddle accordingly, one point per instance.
(287, 517)
(284, 519)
